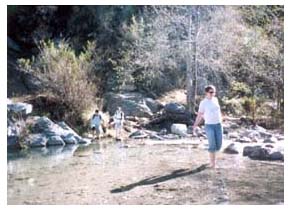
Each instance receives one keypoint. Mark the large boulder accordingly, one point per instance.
(174, 108)
(68, 132)
(42, 125)
(132, 104)
(56, 132)
(180, 129)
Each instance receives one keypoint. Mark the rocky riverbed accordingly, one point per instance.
(140, 172)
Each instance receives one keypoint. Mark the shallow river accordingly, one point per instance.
(137, 173)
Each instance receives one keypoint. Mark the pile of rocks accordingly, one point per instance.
(36, 131)
(256, 142)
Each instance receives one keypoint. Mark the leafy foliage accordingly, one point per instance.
(66, 75)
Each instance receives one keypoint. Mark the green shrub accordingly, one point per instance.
(67, 76)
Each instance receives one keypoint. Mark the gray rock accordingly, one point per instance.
(271, 139)
(154, 106)
(13, 134)
(180, 129)
(42, 124)
(174, 108)
(247, 150)
(132, 104)
(171, 136)
(256, 153)
(67, 132)
(265, 134)
(85, 141)
(36, 140)
(19, 108)
(244, 139)
(233, 135)
(252, 134)
(269, 146)
(260, 154)
(280, 137)
(70, 139)
(156, 137)
(163, 132)
(55, 140)
(137, 133)
(13, 142)
(231, 149)
(277, 156)
(234, 126)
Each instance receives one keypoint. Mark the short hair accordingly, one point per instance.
(97, 110)
(209, 87)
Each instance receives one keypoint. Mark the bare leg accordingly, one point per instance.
(212, 159)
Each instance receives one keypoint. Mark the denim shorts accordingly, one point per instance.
(214, 135)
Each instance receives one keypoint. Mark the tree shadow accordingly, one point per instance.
(156, 179)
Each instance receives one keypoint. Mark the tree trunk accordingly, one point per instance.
(189, 82)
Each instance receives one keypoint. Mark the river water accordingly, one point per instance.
(139, 172)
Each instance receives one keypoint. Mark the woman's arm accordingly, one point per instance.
(198, 119)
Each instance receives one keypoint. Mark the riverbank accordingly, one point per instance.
(136, 172)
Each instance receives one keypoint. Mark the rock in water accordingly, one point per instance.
(16, 115)
(70, 139)
(68, 132)
(180, 129)
(55, 140)
(231, 149)
(37, 140)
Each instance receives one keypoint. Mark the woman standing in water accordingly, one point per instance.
(209, 109)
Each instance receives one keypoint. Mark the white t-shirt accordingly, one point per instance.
(211, 110)
(118, 116)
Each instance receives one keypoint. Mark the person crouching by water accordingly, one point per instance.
(118, 123)
(209, 109)
(96, 122)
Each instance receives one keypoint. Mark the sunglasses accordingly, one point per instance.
(211, 92)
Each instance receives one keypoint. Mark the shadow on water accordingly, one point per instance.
(155, 179)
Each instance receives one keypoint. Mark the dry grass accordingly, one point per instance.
(177, 96)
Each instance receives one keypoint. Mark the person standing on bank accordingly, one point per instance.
(209, 109)
(118, 122)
